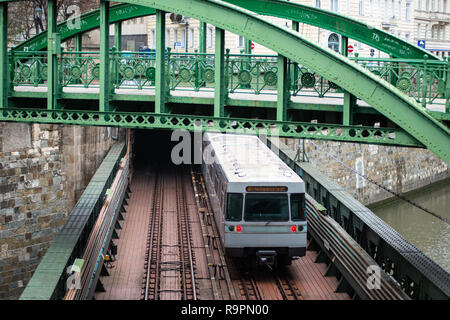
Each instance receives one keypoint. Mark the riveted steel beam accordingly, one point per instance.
(160, 93)
(118, 35)
(54, 47)
(283, 89)
(146, 120)
(219, 72)
(105, 83)
(351, 77)
(202, 45)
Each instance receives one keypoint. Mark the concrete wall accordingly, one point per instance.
(399, 169)
(43, 171)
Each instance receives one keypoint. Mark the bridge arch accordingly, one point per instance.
(332, 21)
(382, 96)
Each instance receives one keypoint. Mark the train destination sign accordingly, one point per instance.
(266, 189)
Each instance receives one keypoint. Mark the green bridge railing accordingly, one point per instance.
(427, 81)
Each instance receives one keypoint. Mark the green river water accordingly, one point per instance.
(426, 232)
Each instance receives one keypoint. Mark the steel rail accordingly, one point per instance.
(201, 193)
(184, 238)
(154, 236)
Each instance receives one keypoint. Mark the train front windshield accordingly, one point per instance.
(266, 207)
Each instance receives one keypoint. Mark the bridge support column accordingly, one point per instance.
(348, 108)
(78, 42)
(344, 46)
(4, 85)
(295, 27)
(118, 36)
(283, 89)
(105, 81)
(160, 79)
(54, 47)
(202, 45)
(219, 71)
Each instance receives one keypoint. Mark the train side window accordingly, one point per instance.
(234, 207)
(298, 206)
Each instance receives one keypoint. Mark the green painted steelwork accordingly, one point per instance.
(352, 78)
(89, 21)
(332, 21)
(189, 70)
(299, 13)
(337, 69)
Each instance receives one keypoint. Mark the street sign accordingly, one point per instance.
(253, 46)
(177, 44)
(421, 43)
(350, 48)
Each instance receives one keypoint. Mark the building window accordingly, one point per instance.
(400, 10)
(348, 7)
(393, 10)
(210, 37)
(408, 11)
(361, 7)
(386, 10)
(240, 42)
(333, 42)
(167, 38)
(371, 8)
(334, 5)
(317, 3)
(152, 39)
(419, 5)
(183, 38)
(378, 12)
(175, 35)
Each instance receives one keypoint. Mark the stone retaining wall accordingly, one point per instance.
(43, 171)
(399, 169)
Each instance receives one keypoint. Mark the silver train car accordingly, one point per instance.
(258, 201)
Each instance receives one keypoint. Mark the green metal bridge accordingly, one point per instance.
(305, 91)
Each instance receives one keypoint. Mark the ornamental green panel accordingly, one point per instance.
(351, 77)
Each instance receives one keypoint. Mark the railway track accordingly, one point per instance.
(221, 283)
(153, 256)
(287, 287)
(187, 259)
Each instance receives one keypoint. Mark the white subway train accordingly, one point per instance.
(258, 201)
